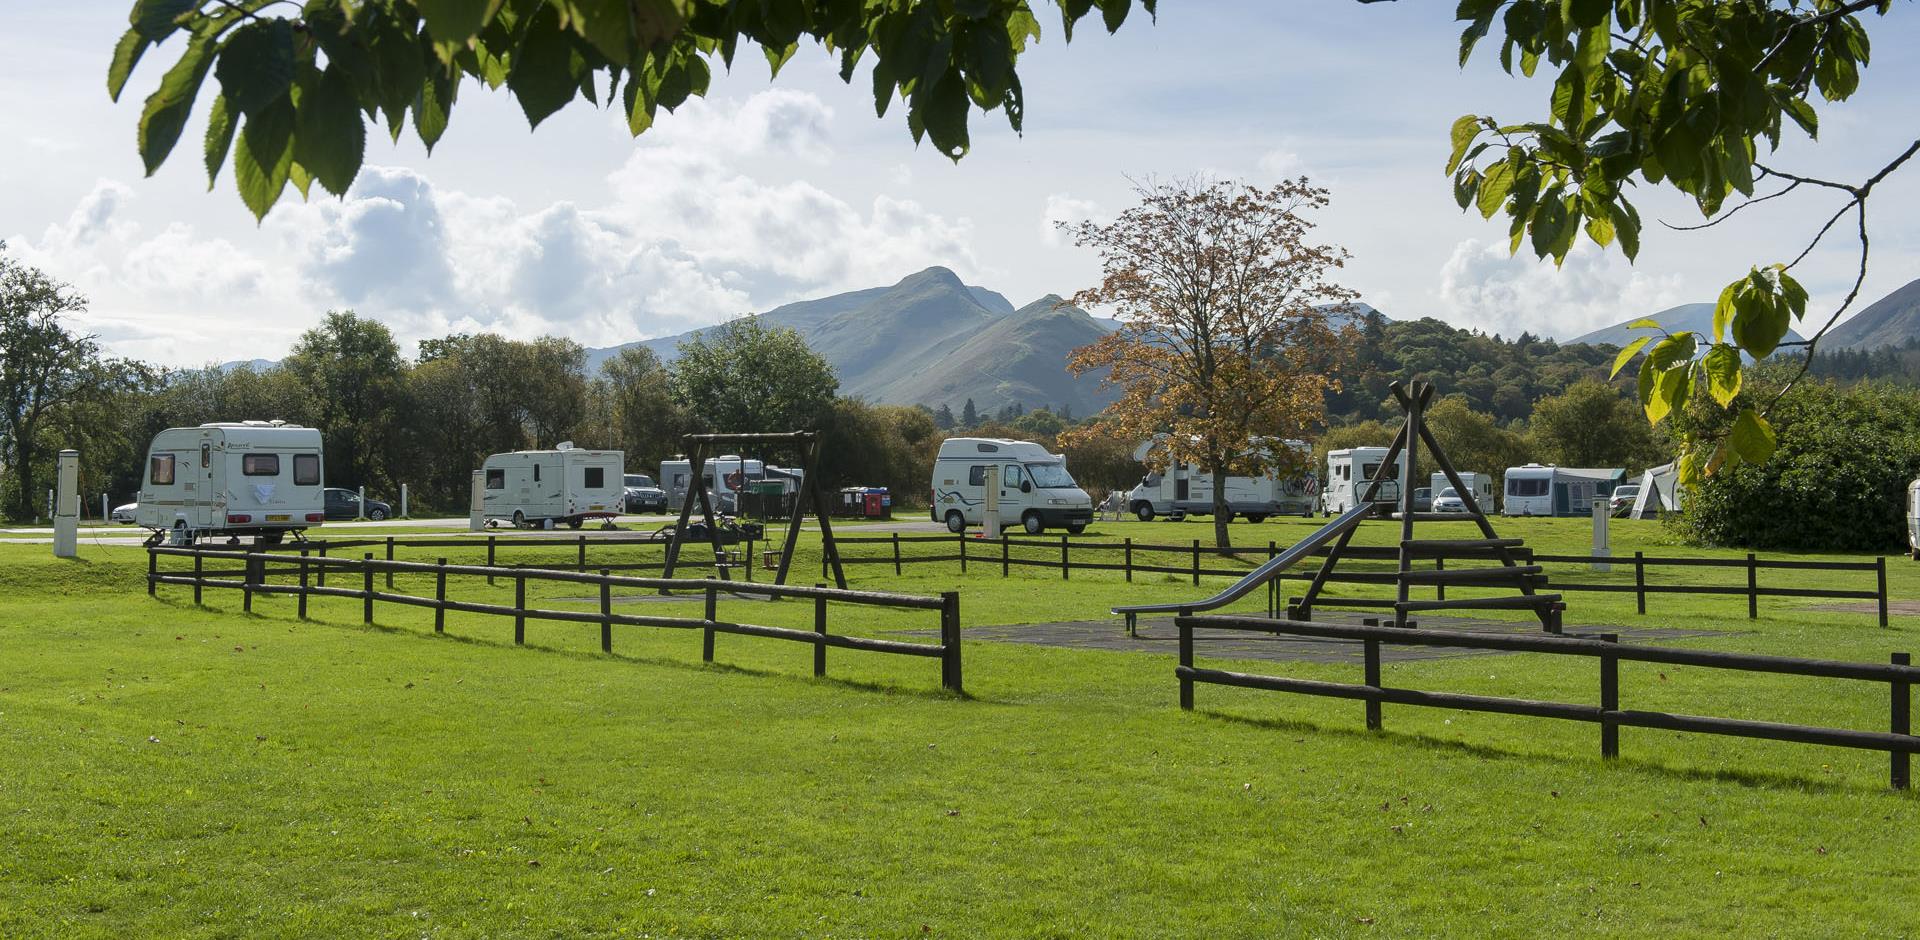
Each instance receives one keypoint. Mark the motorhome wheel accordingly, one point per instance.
(519, 519)
(955, 521)
(1143, 511)
(1076, 529)
(1256, 517)
(1031, 522)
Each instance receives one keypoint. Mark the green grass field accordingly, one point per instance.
(167, 770)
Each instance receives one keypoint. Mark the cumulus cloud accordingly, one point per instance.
(1061, 207)
(1483, 285)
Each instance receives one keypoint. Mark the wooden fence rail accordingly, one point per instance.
(253, 572)
(1068, 555)
(1898, 741)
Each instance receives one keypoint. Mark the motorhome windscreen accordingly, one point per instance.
(1050, 476)
(1533, 487)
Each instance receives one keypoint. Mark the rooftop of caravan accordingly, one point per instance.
(958, 448)
(1583, 473)
(264, 432)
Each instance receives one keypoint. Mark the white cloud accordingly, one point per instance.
(1061, 207)
(1484, 286)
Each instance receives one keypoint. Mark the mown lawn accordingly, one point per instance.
(169, 770)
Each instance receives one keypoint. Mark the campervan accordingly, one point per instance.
(1035, 487)
(1479, 486)
(1349, 472)
(1183, 489)
(260, 478)
(727, 476)
(1534, 490)
(564, 485)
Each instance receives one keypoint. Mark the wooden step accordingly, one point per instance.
(1488, 576)
(1515, 602)
(1460, 548)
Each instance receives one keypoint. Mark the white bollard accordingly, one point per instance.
(105, 511)
(362, 494)
(1602, 512)
(477, 502)
(66, 507)
(990, 518)
(403, 502)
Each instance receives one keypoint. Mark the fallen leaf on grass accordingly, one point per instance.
(1363, 920)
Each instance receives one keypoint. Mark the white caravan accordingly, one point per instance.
(1480, 485)
(261, 478)
(1035, 487)
(726, 475)
(1349, 472)
(1534, 490)
(567, 484)
(1183, 489)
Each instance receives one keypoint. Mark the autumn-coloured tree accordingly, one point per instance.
(1224, 334)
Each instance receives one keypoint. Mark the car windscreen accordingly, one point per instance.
(1050, 476)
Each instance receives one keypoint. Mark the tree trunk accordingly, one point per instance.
(1220, 536)
(29, 505)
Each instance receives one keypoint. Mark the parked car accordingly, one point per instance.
(1621, 502)
(1422, 499)
(345, 504)
(643, 495)
(1449, 501)
(124, 514)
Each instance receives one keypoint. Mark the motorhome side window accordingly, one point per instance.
(1010, 476)
(977, 475)
(596, 477)
(496, 479)
(1369, 471)
(260, 465)
(160, 473)
(536, 473)
(306, 469)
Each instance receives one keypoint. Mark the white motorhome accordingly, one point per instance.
(1479, 485)
(1183, 489)
(1534, 490)
(567, 484)
(261, 478)
(1349, 472)
(1035, 487)
(726, 475)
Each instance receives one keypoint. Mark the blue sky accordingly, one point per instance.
(772, 192)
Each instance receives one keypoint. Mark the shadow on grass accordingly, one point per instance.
(1755, 779)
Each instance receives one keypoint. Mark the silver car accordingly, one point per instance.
(124, 514)
(1449, 501)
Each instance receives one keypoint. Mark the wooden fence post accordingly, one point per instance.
(1902, 723)
(1640, 581)
(196, 577)
(1609, 699)
(366, 588)
(1372, 653)
(439, 596)
(581, 562)
(320, 577)
(1128, 563)
(606, 607)
(303, 582)
(1005, 565)
(1753, 588)
(963, 555)
(896, 554)
(950, 677)
(390, 558)
(519, 610)
(490, 547)
(1880, 569)
(1440, 589)
(1066, 562)
(753, 559)
(1186, 656)
(820, 626)
(1196, 562)
(706, 639)
(153, 570)
(246, 584)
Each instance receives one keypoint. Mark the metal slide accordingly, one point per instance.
(1268, 571)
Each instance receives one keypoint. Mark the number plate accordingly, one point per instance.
(596, 507)
(280, 518)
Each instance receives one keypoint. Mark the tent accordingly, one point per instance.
(1659, 492)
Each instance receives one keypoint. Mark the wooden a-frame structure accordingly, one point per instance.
(1414, 398)
(806, 446)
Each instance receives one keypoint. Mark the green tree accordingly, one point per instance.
(43, 368)
(745, 376)
(647, 422)
(943, 418)
(293, 86)
(1473, 441)
(969, 414)
(358, 381)
(1592, 425)
(1684, 95)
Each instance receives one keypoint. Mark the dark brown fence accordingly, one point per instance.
(1194, 560)
(1898, 741)
(303, 576)
(500, 549)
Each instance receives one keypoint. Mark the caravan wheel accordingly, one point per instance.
(574, 523)
(519, 519)
(1256, 517)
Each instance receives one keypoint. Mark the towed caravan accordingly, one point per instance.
(728, 476)
(260, 478)
(566, 484)
(1183, 489)
(1351, 470)
(1534, 490)
(1034, 487)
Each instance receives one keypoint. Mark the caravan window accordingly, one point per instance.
(260, 465)
(497, 479)
(160, 472)
(1369, 471)
(536, 473)
(596, 477)
(977, 475)
(306, 469)
(1532, 487)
